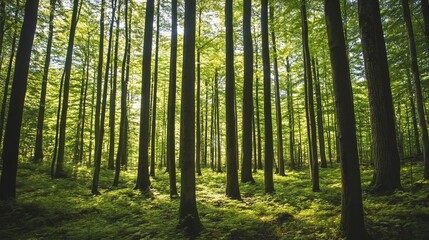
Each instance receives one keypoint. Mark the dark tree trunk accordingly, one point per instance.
(280, 157)
(8, 75)
(246, 163)
(16, 107)
(385, 151)
(112, 105)
(38, 150)
(425, 11)
(291, 116)
(232, 189)
(218, 143)
(352, 221)
(85, 94)
(143, 181)
(258, 122)
(2, 23)
(417, 85)
(314, 163)
(76, 152)
(189, 220)
(99, 143)
(269, 153)
(411, 97)
(59, 171)
(171, 143)
(320, 131)
(198, 108)
(154, 100)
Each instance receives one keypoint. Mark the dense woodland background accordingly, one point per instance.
(100, 110)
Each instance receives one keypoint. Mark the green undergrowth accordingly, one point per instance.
(65, 208)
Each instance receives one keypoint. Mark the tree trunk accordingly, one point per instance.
(269, 154)
(59, 171)
(352, 221)
(246, 163)
(218, 144)
(171, 143)
(291, 116)
(258, 120)
(320, 131)
(38, 150)
(385, 151)
(417, 85)
(232, 189)
(280, 157)
(189, 220)
(154, 99)
(198, 108)
(143, 181)
(314, 163)
(16, 106)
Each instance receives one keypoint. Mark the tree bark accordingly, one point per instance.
(352, 220)
(269, 154)
(385, 151)
(189, 220)
(16, 107)
(320, 131)
(417, 85)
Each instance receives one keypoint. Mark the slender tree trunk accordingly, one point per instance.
(143, 181)
(59, 171)
(112, 105)
(155, 92)
(425, 10)
(171, 131)
(258, 122)
(16, 107)
(247, 122)
(269, 153)
(76, 152)
(314, 163)
(352, 220)
(218, 144)
(38, 150)
(385, 150)
(8, 75)
(232, 189)
(189, 220)
(320, 131)
(417, 86)
(280, 157)
(291, 116)
(198, 108)
(85, 94)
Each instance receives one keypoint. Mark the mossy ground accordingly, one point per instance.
(66, 209)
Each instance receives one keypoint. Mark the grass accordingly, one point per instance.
(66, 209)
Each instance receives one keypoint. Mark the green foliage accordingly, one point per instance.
(65, 208)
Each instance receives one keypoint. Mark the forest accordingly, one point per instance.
(185, 119)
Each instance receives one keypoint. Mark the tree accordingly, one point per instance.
(189, 220)
(38, 150)
(16, 105)
(232, 189)
(143, 181)
(171, 143)
(269, 153)
(417, 85)
(246, 162)
(352, 221)
(59, 171)
(314, 163)
(385, 151)
(280, 157)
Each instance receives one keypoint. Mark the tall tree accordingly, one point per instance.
(320, 132)
(425, 10)
(59, 171)
(314, 163)
(189, 220)
(38, 150)
(232, 189)
(279, 128)
(246, 146)
(291, 116)
(155, 90)
(171, 143)
(16, 107)
(269, 153)
(143, 181)
(417, 85)
(352, 220)
(198, 107)
(99, 142)
(385, 151)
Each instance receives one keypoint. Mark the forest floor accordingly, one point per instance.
(66, 209)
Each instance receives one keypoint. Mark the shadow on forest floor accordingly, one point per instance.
(66, 209)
